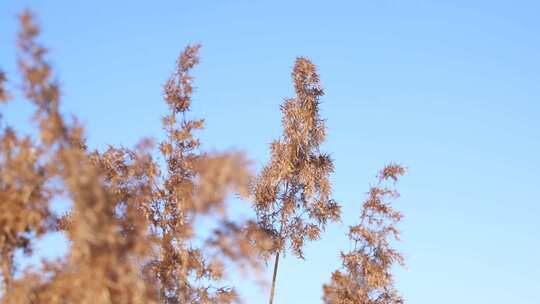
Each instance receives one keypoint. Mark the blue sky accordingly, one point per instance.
(449, 89)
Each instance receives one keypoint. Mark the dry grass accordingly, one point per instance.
(131, 226)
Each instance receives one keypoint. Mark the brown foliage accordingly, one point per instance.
(293, 192)
(131, 224)
(133, 220)
(366, 276)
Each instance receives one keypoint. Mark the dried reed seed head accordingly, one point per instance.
(292, 193)
(365, 275)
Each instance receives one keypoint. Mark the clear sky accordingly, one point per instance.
(449, 89)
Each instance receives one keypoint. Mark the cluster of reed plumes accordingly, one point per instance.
(131, 225)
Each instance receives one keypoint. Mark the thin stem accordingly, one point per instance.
(276, 262)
